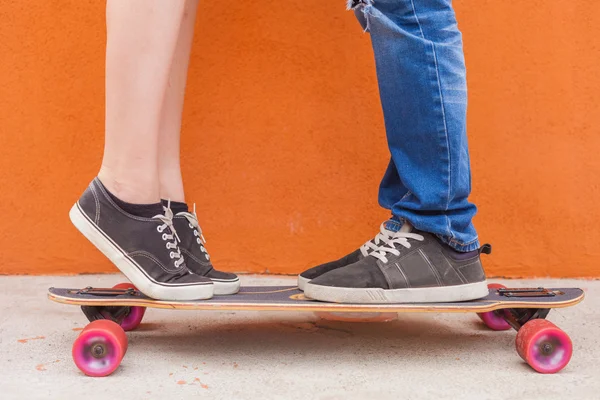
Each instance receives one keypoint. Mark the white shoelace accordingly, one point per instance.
(195, 225)
(384, 236)
(167, 220)
(399, 238)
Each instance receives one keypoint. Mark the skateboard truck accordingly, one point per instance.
(517, 317)
(113, 313)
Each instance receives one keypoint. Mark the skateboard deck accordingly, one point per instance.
(102, 344)
(290, 298)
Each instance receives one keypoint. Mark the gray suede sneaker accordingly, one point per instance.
(386, 231)
(196, 256)
(413, 267)
(144, 249)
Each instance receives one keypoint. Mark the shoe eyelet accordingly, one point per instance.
(190, 225)
(172, 255)
(159, 228)
(198, 241)
(164, 236)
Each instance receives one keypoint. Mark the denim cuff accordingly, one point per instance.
(458, 246)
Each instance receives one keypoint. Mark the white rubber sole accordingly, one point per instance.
(133, 272)
(302, 281)
(222, 288)
(443, 294)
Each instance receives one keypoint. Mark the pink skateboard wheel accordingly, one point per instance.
(544, 346)
(100, 347)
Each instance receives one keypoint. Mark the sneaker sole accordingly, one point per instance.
(302, 281)
(444, 294)
(133, 272)
(222, 288)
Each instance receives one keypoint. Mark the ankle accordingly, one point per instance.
(137, 209)
(135, 189)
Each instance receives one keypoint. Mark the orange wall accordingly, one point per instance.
(283, 136)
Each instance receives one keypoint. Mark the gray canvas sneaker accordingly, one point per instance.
(196, 256)
(414, 267)
(144, 249)
(386, 232)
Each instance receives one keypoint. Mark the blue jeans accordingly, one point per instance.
(422, 84)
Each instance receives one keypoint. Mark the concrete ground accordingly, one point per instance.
(270, 355)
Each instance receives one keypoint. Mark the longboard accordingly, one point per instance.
(290, 298)
(102, 344)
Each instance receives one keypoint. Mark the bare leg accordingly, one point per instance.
(171, 184)
(142, 37)
(128, 226)
(169, 169)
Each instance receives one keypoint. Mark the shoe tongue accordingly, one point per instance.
(168, 212)
(396, 226)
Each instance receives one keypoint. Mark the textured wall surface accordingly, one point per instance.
(283, 135)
